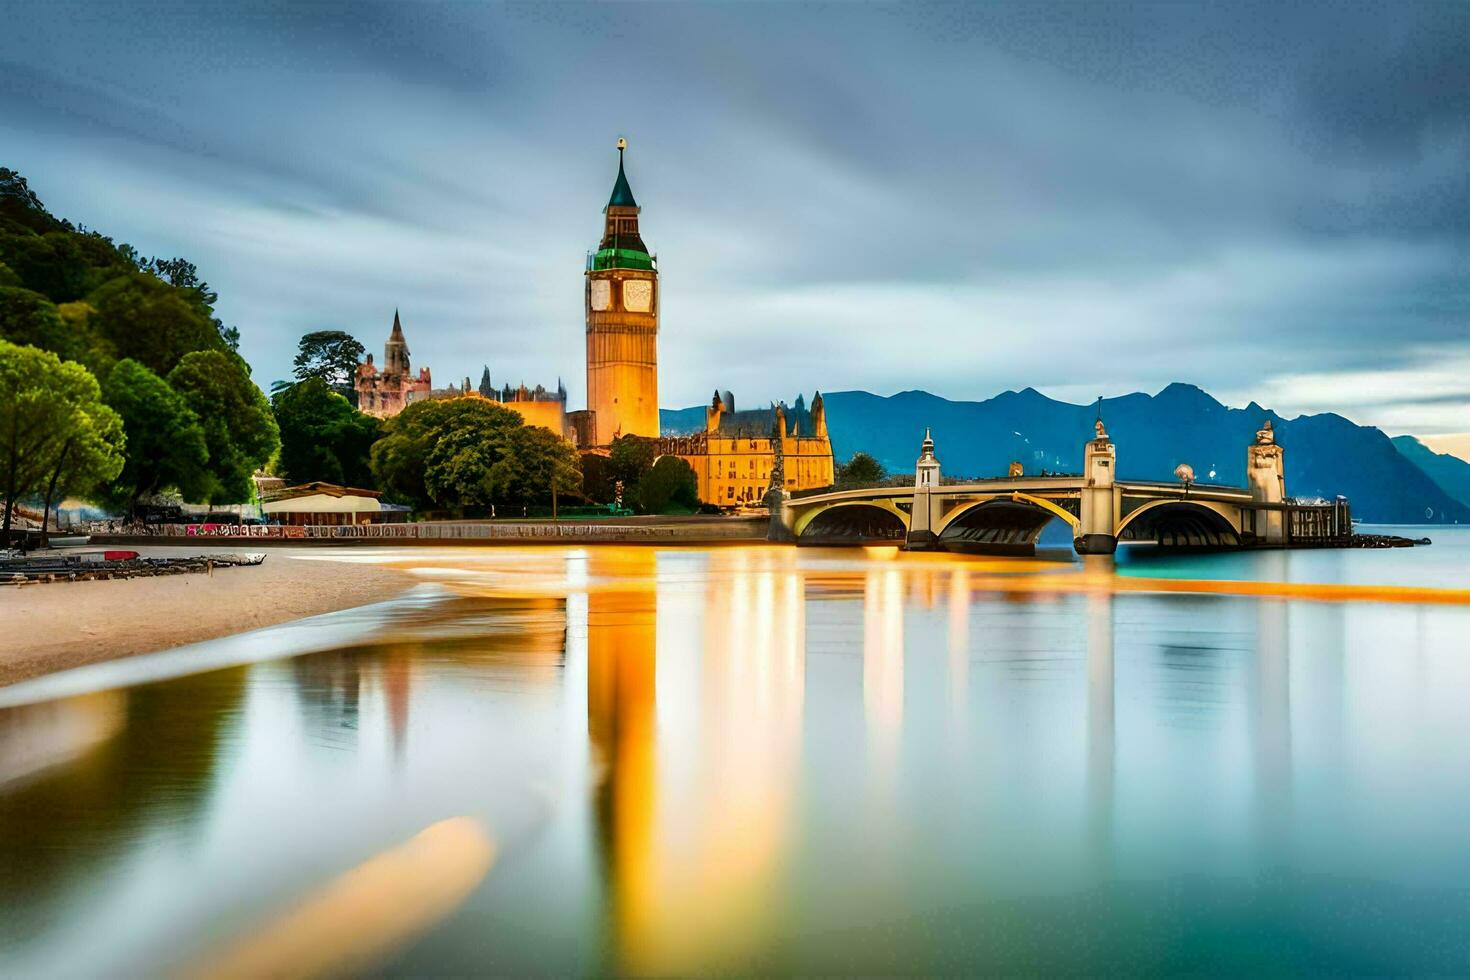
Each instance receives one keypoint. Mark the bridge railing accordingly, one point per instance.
(1318, 522)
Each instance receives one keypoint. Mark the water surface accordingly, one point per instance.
(747, 759)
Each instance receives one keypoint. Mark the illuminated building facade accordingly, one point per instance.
(621, 300)
(388, 391)
(535, 406)
(734, 456)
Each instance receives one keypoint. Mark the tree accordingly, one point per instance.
(30, 319)
(18, 203)
(239, 430)
(91, 457)
(440, 453)
(535, 464)
(167, 449)
(322, 436)
(629, 460)
(47, 408)
(597, 479)
(669, 486)
(152, 322)
(861, 470)
(332, 356)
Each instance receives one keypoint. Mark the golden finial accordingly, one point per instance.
(622, 144)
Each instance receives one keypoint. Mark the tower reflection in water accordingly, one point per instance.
(696, 755)
(779, 760)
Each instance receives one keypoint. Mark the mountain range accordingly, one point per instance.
(1387, 481)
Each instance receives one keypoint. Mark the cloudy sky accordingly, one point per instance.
(1270, 201)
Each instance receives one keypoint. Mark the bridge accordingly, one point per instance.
(1007, 515)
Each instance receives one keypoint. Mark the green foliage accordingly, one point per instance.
(167, 449)
(30, 319)
(153, 310)
(61, 265)
(90, 459)
(465, 453)
(331, 355)
(20, 205)
(55, 432)
(861, 470)
(670, 486)
(322, 436)
(239, 429)
(441, 453)
(77, 294)
(597, 478)
(152, 322)
(629, 458)
(534, 460)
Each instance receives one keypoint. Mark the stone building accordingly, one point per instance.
(386, 392)
(535, 406)
(734, 457)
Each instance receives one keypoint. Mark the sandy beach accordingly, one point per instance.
(55, 626)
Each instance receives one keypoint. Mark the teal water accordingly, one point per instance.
(751, 759)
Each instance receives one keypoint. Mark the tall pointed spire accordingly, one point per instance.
(395, 351)
(622, 194)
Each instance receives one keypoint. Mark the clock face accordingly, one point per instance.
(601, 294)
(638, 295)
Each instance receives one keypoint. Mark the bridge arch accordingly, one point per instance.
(1182, 523)
(853, 520)
(1012, 520)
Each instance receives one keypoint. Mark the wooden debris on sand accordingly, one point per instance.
(84, 567)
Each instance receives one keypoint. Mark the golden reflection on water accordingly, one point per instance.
(883, 666)
(358, 918)
(697, 764)
(692, 819)
(956, 706)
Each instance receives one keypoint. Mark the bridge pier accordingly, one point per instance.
(923, 516)
(782, 527)
(1099, 501)
(1265, 476)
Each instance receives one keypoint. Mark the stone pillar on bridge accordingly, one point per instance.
(1265, 475)
(1099, 461)
(922, 517)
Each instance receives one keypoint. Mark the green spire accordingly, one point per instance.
(622, 195)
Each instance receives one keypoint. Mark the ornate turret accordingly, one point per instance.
(926, 470)
(923, 510)
(395, 351)
(819, 417)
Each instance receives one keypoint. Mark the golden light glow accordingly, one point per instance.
(359, 918)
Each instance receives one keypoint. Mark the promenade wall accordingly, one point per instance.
(692, 530)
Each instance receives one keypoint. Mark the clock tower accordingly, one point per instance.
(622, 323)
